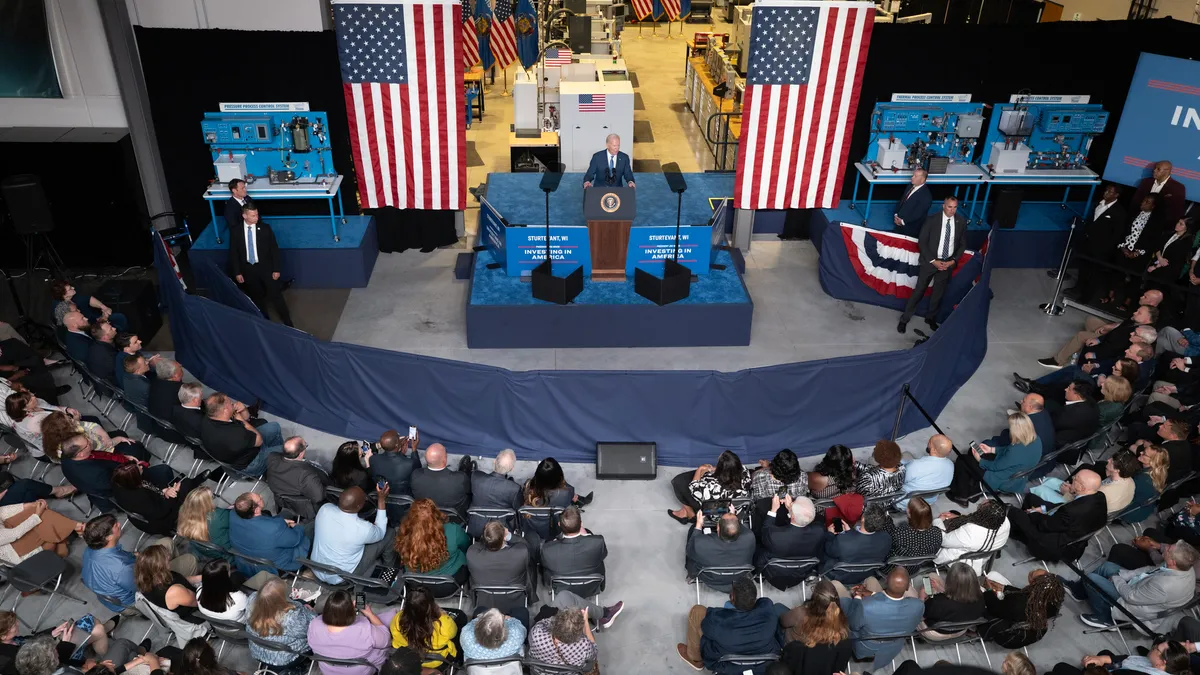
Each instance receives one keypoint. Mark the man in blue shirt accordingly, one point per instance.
(347, 542)
(108, 568)
(260, 535)
(932, 472)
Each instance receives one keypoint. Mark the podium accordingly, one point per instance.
(609, 211)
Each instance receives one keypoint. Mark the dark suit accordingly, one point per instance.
(913, 209)
(297, 484)
(1100, 238)
(93, 477)
(929, 244)
(855, 547)
(258, 283)
(159, 512)
(510, 566)
(1172, 199)
(492, 491)
(233, 213)
(1074, 422)
(101, 358)
(1177, 253)
(397, 469)
(78, 345)
(575, 556)
(164, 398)
(448, 489)
(1047, 535)
(598, 169)
(187, 420)
(709, 550)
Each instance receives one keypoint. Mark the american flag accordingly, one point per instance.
(805, 69)
(558, 57)
(672, 8)
(642, 8)
(504, 34)
(591, 103)
(403, 82)
(470, 38)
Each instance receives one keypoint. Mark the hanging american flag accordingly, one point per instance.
(470, 38)
(805, 69)
(591, 103)
(504, 34)
(672, 9)
(403, 82)
(642, 8)
(558, 57)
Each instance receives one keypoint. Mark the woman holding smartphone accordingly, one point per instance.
(997, 466)
(348, 629)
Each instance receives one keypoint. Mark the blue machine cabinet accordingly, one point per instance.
(281, 150)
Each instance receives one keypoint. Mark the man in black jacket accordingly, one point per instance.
(448, 489)
(576, 552)
(913, 208)
(188, 415)
(731, 545)
(102, 354)
(298, 485)
(230, 437)
(495, 490)
(1079, 416)
(942, 241)
(238, 199)
(1102, 232)
(1047, 535)
(797, 537)
(395, 459)
(503, 559)
(255, 263)
(164, 388)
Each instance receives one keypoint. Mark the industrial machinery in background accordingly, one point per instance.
(923, 131)
(278, 147)
(1042, 135)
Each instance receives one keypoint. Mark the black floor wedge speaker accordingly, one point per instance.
(626, 461)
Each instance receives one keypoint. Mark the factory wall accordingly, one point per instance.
(286, 15)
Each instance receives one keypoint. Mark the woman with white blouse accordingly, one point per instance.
(217, 597)
(27, 413)
(984, 529)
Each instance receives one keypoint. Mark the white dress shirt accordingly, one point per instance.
(946, 235)
(1154, 189)
(1101, 208)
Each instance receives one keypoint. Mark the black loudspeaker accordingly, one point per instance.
(626, 461)
(138, 301)
(1006, 207)
(580, 34)
(27, 204)
(559, 290)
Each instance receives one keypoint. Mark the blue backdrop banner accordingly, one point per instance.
(220, 287)
(352, 391)
(650, 246)
(1161, 120)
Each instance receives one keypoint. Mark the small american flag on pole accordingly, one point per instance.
(591, 103)
(504, 34)
(642, 8)
(470, 38)
(672, 8)
(805, 70)
(558, 57)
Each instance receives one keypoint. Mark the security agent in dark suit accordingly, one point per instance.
(942, 240)
(576, 552)
(1047, 535)
(913, 208)
(1102, 232)
(495, 490)
(238, 199)
(502, 559)
(1172, 195)
(254, 262)
(732, 545)
(435, 481)
(610, 166)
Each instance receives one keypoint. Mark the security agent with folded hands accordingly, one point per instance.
(942, 241)
(609, 166)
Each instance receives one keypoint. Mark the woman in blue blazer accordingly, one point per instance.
(998, 465)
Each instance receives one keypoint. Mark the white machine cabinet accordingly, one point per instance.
(582, 134)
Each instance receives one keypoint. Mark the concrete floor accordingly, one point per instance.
(413, 304)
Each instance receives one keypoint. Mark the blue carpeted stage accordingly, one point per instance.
(310, 255)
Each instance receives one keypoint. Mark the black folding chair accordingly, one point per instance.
(916, 565)
(867, 569)
(317, 658)
(786, 573)
(721, 578)
(277, 647)
(744, 663)
(542, 668)
(499, 596)
(442, 587)
(375, 590)
(583, 585)
(477, 518)
(42, 572)
(229, 632)
(954, 633)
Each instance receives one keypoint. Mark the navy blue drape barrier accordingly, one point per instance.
(220, 287)
(357, 392)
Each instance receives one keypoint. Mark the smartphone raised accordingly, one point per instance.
(928, 586)
(381, 484)
(838, 525)
(412, 432)
(360, 601)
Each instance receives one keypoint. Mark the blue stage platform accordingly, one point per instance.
(310, 255)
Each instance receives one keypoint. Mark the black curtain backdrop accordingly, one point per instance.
(993, 61)
(189, 72)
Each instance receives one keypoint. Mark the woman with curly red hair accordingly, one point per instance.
(428, 544)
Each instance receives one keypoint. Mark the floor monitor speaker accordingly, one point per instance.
(626, 461)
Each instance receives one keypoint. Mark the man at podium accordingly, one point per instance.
(609, 166)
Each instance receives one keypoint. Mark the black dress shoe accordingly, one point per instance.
(931, 323)
(680, 519)
(1021, 386)
(584, 500)
(253, 408)
(902, 327)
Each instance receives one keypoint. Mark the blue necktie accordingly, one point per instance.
(612, 163)
(251, 252)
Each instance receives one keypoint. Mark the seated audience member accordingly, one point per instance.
(957, 600)
(275, 617)
(135, 384)
(446, 488)
(76, 339)
(934, 471)
(1134, 362)
(492, 635)
(887, 611)
(152, 498)
(502, 558)
(344, 632)
(231, 438)
(70, 638)
(351, 467)
(998, 466)
(91, 471)
(747, 625)
(127, 345)
(272, 538)
(1174, 440)
(917, 538)
(710, 484)
(426, 627)
(102, 353)
(164, 388)
(782, 472)
(1033, 405)
(1047, 535)
(201, 521)
(563, 639)
(15, 490)
(730, 545)
(576, 551)
(1144, 592)
(402, 661)
(883, 477)
(343, 540)
(29, 529)
(1117, 486)
(1115, 392)
(428, 544)
(59, 426)
(495, 490)
(867, 542)
(164, 587)
(107, 569)
(817, 634)
(395, 460)
(1095, 331)
(217, 596)
(1148, 483)
(834, 475)
(298, 484)
(189, 414)
(21, 366)
(68, 299)
(799, 536)
(197, 658)
(984, 529)
(1163, 658)
(1018, 617)
(548, 488)
(27, 412)
(1077, 419)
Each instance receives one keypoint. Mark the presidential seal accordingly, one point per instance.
(610, 202)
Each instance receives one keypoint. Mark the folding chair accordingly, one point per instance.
(583, 585)
(867, 569)
(923, 494)
(36, 574)
(1122, 624)
(116, 602)
(888, 637)
(497, 596)
(512, 665)
(967, 636)
(229, 632)
(1085, 540)
(138, 522)
(532, 516)
(987, 556)
(916, 565)
(786, 573)
(375, 590)
(887, 499)
(442, 587)
(542, 668)
(745, 663)
(477, 518)
(716, 577)
(165, 619)
(317, 658)
(277, 647)
(252, 565)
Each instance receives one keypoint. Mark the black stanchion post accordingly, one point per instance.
(1052, 308)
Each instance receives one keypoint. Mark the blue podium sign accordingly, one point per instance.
(492, 231)
(650, 246)
(526, 248)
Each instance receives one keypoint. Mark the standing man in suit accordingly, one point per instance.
(914, 205)
(238, 199)
(255, 263)
(609, 166)
(1172, 195)
(943, 239)
(495, 490)
(437, 483)
(732, 545)
(1101, 233)
(577, 552)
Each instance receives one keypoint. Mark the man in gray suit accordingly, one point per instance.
(495, 490)
(576, 552)
(502, 559)
(732, 545)
(1145, 591)
(297, 484)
